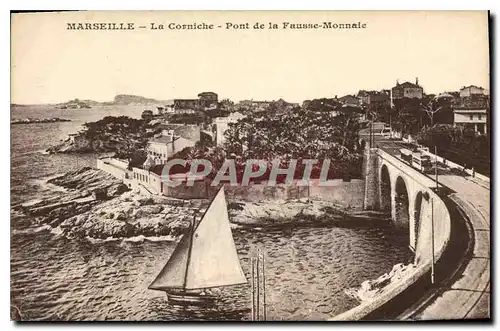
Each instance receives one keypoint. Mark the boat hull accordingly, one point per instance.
(191, 299)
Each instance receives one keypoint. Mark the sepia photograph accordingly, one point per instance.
(250, 166)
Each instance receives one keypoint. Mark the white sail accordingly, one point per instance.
(213, 260)
(206, 256)
(173, 274)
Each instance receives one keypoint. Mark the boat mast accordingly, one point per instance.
(252, 260)
(258, 288)
(258, 267)
(264, 286)
(191, 233)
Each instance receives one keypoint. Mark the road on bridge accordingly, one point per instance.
(469, 296)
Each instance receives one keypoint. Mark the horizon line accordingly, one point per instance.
(257, 99)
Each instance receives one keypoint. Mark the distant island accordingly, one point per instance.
(118, 100)
(129, 99)
(75, 104)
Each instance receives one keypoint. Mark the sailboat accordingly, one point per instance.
(205, 258)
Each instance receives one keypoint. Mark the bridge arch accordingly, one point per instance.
(402, 203)
(418, 213)
(385, 189)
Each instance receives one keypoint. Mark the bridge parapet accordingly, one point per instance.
(429, 222)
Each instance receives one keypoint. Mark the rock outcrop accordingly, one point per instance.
(370, 289)
(120, 134)
(96, 205)
(299, 212)
(79, 196)
(132, 215)
(39, 120)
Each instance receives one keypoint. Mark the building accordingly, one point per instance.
(161, 148)
(364, 97)
(374, 99)
(190, 106)
(471, 108)
(472, 118)
(406, 90)
(254, 105)
(380, 99)
(207, 99)
(472, 90)
(446, 97)
(222, 124)
(188, 131)
(185, 106)
(349, 100)
(147, 115)
(169, 107)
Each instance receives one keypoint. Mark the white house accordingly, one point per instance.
(474, 118)
(222, 124)
(161, 148)
(472, 90)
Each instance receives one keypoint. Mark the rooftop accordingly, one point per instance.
(478, 87)
(161, 140)
(481, 111)
(408, 85)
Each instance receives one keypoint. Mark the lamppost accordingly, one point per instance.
(427, 197)
(436, 166)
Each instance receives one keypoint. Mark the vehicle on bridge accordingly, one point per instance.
(416, 159)
(406, 155)
(386, 132)
(421, 162)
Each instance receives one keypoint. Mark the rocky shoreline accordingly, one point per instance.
(120, 134)
(39, 120)
(371, 289)
(79, 212)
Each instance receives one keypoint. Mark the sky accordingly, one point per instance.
(50, 64)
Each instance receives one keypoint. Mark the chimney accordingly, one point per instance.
(416, 81)
(397, 82)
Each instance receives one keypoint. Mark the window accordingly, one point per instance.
(471, 117)
(479, 117)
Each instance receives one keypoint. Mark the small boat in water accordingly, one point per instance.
(205, 258)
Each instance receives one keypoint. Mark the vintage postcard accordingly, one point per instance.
(250, 166)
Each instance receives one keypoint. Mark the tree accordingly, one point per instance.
(296, 134)
(431, 109)
(407, 115)
(458, 144)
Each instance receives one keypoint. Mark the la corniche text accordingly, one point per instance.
(209, 26)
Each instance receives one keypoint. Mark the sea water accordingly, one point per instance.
(56, 278)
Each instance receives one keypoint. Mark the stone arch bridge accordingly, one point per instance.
(394, 186)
